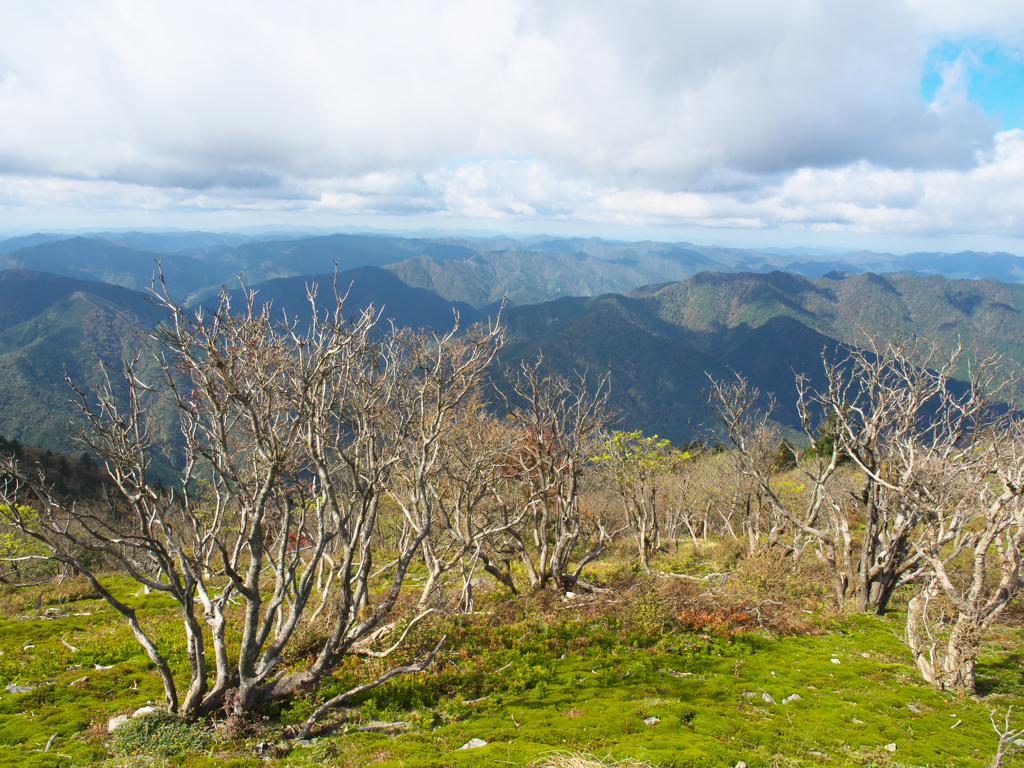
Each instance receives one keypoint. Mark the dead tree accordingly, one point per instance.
(297, 434)
(558, 423)
(894, 412)
(969, 541)
(472, 499)
(768, 513)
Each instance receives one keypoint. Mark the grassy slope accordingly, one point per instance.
(569, 675)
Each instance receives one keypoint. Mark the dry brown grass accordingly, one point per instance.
(585, 760)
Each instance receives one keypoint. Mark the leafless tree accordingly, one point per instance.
(474, 500)
(969, 542)
(1006, 737)
(558, 423)
(768, 511)
(894, 412)
(299, 436)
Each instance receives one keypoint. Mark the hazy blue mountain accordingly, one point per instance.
(192, 277)
(262, 260)
(805, 251)
(185, 243)
(114, 263)
(14, 243)
(1004, 267)
(476, 270)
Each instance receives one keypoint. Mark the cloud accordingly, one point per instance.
(735, 112)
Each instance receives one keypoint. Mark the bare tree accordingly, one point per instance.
(299, 435)
(558, 425)
(970, 539)
(471, 492)
(769, 511)
(894, 412)
(1006, 737)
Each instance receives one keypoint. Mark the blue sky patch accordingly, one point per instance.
(991, 74)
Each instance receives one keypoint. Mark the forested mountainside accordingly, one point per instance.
(528, 277)
(196, 272)
(50, 324)
(660, 341)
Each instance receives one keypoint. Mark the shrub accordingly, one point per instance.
(158, 733)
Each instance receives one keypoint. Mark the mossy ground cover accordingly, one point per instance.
(530, 676)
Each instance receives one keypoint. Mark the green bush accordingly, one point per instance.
(158, 733)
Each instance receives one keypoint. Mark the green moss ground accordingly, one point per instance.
(555, 677)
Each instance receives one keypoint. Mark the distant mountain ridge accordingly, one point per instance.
(662, 315)
(476, 270)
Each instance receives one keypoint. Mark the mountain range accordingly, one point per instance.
(659, 340)
(476, 270)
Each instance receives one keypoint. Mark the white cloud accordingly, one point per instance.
(733, 113)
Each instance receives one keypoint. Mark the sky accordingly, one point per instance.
(877, 124)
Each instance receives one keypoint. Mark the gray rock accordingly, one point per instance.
(116, 722)
(14, 688)
(473, 744)
(767, 698)
(890, 747)
(145, 711)
(913, 709)
(302, 743)
(79, 682)
(794, 697)
(1018, 743)
(652, 720)
(741, 764)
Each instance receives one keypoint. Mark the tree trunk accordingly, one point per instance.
(961, 652)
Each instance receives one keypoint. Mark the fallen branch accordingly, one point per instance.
(341, 698)
(578, 582)
(401, 725)
(363, 651)
(722, 577)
